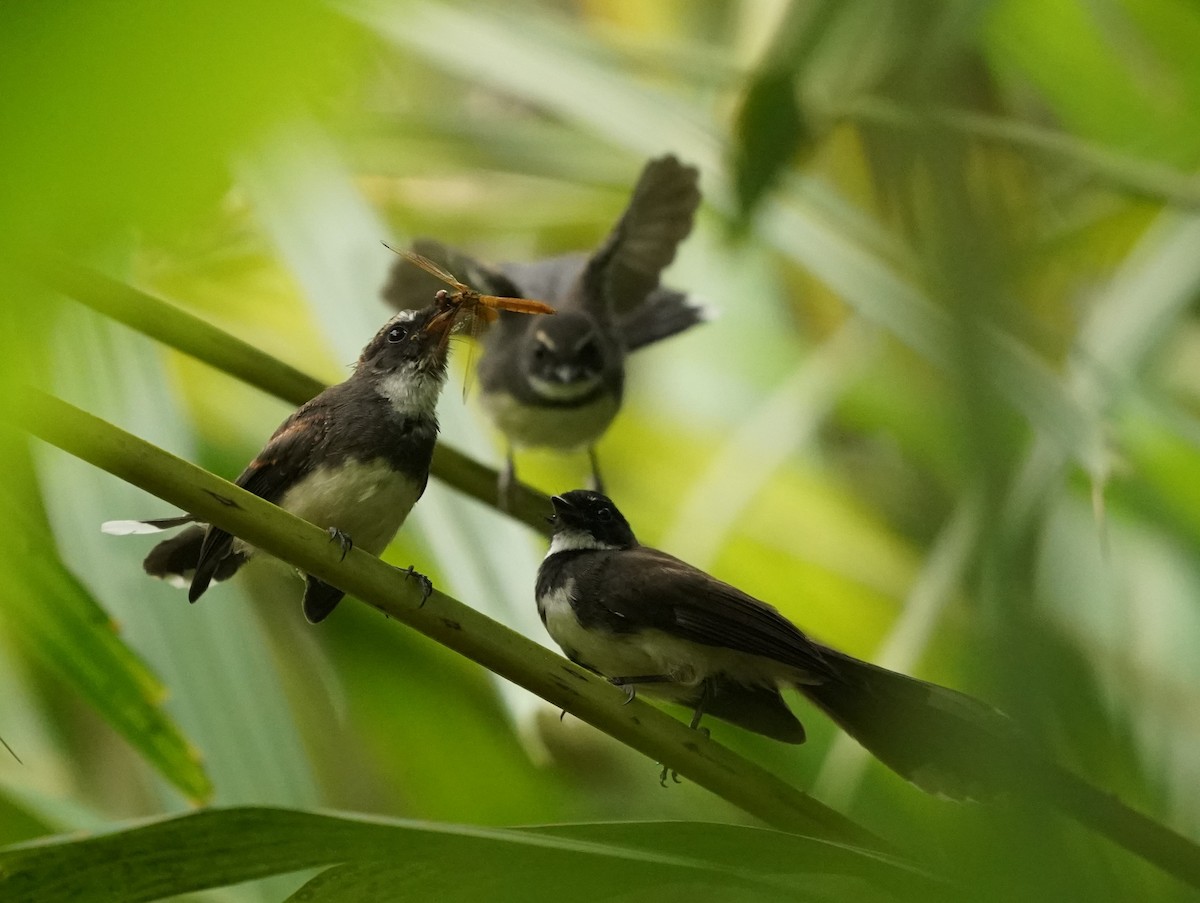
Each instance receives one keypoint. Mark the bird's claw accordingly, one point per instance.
(426, 583)
(662, 776)
(342, 539)
(629, 690)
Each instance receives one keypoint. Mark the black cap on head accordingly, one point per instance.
(412, 337)
(592, 513)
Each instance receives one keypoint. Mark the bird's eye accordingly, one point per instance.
(604, 514)
(541, 353)
(396, 334)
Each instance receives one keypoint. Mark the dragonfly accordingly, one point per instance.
(480, 308)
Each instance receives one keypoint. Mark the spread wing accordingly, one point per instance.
(627, 266)
(647, 588)
(278, 466)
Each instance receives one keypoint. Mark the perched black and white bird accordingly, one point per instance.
(648, 621)
(557, 382)
(353, 460)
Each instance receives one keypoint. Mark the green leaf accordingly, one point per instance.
(743, 848)
(533, 876)
(219, 847)
(771, 130)
(1122, 73)
(75, 639)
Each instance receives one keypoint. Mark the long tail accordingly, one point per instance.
(950, 743)
(664, 314)
(943, 741)
(174, 560)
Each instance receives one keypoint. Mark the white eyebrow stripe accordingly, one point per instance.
(541, 336)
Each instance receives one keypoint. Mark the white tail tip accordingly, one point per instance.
(704, 308)
(127, 527)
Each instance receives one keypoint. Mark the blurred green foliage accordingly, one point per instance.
(946, 420)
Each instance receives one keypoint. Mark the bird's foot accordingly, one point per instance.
(411, 572)
(342, 539)
(629, 688)
(662, 776)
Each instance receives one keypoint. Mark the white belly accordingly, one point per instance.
(539, 427)
(652, 653)
(366, 501)
(611, 656)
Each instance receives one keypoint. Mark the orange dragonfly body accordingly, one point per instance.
(464, 299)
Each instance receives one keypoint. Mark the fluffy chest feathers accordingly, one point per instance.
(612, 654)
(535, 426)
(367, 500)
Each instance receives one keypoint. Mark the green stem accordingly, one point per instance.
(1148, 178)
(183, 331)
(441, 618)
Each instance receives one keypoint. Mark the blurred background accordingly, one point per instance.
(948, 418)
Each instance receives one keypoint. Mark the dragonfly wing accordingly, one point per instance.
(410, 286)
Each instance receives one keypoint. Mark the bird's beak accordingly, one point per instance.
(441, 323)
(560, 505)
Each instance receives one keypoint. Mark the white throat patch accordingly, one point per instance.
(577, 540)
(557, 391)
(411, 391)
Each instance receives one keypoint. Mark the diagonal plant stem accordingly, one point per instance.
(183, 331)
(1140, 176)
(441, 618)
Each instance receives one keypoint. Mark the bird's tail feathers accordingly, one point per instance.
(944, 741)
(756, 708)
(664, 314)
(951, 744)
(174, 560)
(134, 527)
(320, 599)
